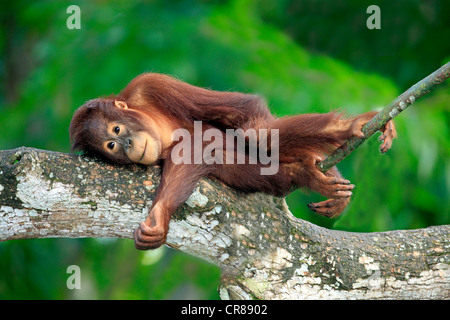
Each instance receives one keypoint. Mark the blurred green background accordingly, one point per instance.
(303, 56)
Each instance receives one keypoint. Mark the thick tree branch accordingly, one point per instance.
(388, 113)
(263, 251)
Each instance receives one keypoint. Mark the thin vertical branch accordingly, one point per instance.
(388, 113)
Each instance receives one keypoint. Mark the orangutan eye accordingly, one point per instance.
(111, 145)
(117, 130)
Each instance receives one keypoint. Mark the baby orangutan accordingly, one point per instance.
(142, 123)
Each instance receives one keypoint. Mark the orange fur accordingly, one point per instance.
(160, 104)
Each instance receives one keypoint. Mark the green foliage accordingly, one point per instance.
(310, 58)
(408, 47)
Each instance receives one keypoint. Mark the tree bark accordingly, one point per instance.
(262, 250)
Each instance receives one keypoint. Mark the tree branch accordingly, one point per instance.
(388, 113)
(262, 250)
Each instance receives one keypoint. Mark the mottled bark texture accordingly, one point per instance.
(263, 251)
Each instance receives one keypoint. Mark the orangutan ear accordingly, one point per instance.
(121, 104)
